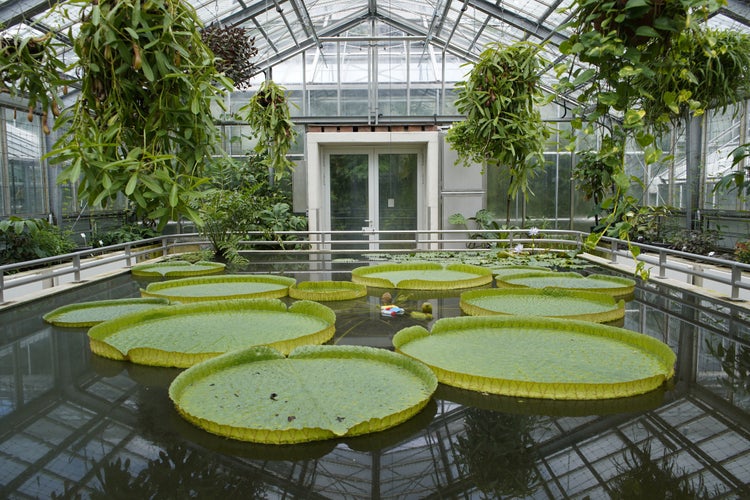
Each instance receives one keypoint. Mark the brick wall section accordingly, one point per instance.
(372, 128)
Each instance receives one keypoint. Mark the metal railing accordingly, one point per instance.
(317, 245)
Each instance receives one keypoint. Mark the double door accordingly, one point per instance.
(374, 189)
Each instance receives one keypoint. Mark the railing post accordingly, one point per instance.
(76, 268)
(736, 279)
(613, 252)
(164, 247)
(2, 287)
(128, 257)
(662, 264)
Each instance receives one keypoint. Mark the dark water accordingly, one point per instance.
(73, 425)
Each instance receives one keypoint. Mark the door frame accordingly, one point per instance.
(318, 144)
(373, 152)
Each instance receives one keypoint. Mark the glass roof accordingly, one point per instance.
(283, 29)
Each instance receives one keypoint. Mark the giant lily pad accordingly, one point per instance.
(85, 314)
(536, 357)
(177, 268)
(612, 285)
(327, 290)
(550, 302)
(229, 286)
(185, 334)
(317, 393)
(422, 276)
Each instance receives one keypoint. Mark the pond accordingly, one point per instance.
(74, 425)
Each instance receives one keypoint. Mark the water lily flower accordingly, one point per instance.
(533, 231)
(518, 248)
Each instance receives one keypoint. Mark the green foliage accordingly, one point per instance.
(142, 124)
(594, 171)
(739, 179)
(123, 234)
(485, 222)
(244, 199)
(30, 239)
(270, 121)
(697, 242)
(503, 127)
(742, 251)
(30, 69)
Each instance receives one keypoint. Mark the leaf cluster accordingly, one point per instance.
(142, 124)
(29, 239)
(503, 126)
(234, 51)
(269, 117)
(30, 68)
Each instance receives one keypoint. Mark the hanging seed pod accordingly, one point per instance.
(137, 63)
(55, 108)
(45, 125)
(30, 115)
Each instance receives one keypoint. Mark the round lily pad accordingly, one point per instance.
(539, 357)
(229, 286)
(85, 314)
(177, 268)
(422, 276)
(185, 334)
(550, 302)
(509, 270)
(327, 290)
(317, 393)
(612, 285)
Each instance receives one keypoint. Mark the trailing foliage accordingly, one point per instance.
(142, 124)
(30, 239)
(123, 234)
(655, 65)
(503, 128)
(30, 69)
(270, 122)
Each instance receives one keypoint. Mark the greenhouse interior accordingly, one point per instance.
(380, 169)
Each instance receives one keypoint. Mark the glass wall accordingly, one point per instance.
(23, 188)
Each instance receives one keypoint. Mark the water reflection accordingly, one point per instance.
(80, 426)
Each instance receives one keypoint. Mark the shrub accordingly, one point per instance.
(742, 251)
(29, 239)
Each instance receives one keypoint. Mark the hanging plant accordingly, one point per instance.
(503, 128)
(30, 69)
(234, 51)
(269, 117)
(142, 124)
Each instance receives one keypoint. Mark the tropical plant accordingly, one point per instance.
(270, 121)
(503, 128)
(30, 69)
(142, 123)
(742, 251)
(486, 225)
(699, 242)
(234, 51)
(30, 239)
(594, 172)
(122, 234)
(652, 64)
(739, 179)
(735, 363)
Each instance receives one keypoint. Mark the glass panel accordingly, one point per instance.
(25, 176)
(349, 193)
(397, 174)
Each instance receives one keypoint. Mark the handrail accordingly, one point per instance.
(51, 271)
